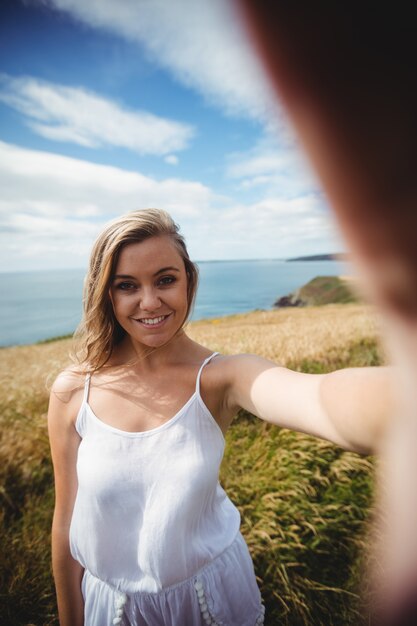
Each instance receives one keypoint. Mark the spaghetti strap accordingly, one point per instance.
(86, 388)
(197, 382)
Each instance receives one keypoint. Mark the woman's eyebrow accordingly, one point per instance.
(123, 276)
(169, 268)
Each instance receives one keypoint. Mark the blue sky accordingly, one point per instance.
(108, 106)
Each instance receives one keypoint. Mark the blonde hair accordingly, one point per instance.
(99, 331)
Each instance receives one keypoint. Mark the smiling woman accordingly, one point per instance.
(122, 272)
(140, 449)
(149, 289)
(143, 532)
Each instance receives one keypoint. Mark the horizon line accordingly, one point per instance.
(65, 269)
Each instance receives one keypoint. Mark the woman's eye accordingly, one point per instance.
(125, 286)
(167, 280)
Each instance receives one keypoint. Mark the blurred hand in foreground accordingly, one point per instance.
(347, 75)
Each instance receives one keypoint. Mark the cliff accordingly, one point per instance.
(322, 290)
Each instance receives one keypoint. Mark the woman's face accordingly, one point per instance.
(149, 290)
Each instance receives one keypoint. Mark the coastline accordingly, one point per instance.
(274, 333)
(317, 296)
(348, 279)
(41, 306)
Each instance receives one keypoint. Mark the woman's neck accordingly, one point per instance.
(132, 353)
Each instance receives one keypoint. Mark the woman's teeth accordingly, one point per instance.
(150, 321)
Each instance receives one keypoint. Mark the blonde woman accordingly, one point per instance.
(143, 533)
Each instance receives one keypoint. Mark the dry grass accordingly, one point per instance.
(303, 502)
(289, 335)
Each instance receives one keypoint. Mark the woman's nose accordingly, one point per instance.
(149, 300)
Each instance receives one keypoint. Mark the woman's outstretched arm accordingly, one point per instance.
(351, 407)
(64, 441)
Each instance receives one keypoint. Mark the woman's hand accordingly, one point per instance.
(347, 76)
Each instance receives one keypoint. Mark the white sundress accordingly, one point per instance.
(156, 533)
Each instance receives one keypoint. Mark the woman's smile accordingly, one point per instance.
(153, 322)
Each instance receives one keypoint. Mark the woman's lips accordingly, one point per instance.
(152, 322)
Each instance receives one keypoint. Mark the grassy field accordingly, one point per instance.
(305, 503)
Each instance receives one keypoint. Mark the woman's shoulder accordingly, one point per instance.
(227, 366)
(69, 378)
(65, 402)
(68, 388)
(235, 361)
(237, 369)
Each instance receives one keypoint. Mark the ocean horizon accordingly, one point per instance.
(41, 304)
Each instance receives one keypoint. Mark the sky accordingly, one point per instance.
(109, 106)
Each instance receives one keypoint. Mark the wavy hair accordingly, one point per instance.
(99, 331)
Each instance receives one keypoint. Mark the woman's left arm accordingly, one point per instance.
(350, 407)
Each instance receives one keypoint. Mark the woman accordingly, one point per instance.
(143, 533)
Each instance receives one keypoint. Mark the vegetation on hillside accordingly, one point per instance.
(304, 503)
(321, 290)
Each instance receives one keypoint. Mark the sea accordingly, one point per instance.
(40, 305)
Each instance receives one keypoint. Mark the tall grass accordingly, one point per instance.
(304, 503)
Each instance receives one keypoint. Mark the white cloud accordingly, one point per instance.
(79, 116)
(274, 228)
(281, 171)
(200, 42)
(52, 206)
(48, 183)
(171, 159)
